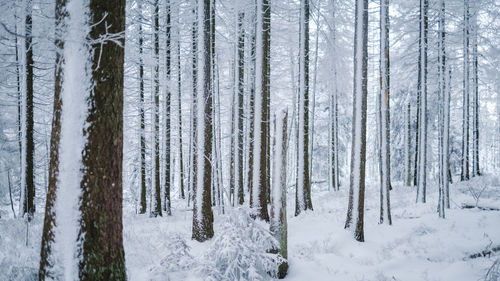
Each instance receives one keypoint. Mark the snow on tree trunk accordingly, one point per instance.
(279, 226)
(444, 117)
(100, 236)
(28, 198)
(422, 127)
(355, 212)
(179, 107)
(303, 188)
(241, 85)
(59, 259)
(475, 97)
(167, 125)
(142, 210)
(466, 87)
(258, 200)
(202, 211)
(385, 151)
(156, 208)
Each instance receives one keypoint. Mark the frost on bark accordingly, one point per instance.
(355, 212)
(279, 227)
(333, 117)
(202, 210)
(303, 186)
(408, 166)
(422, 93)
(179, 107)
(102, 254)
(385, 141)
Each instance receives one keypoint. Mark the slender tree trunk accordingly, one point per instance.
(240, 80)
(156, 211)
(142, 210)
(385, 125)
(202, 211)
(167, 127)
(194, 107)
(29, 174)
(445, 117)
(408, 146)
(355, 212)
(179, 107)
(422, 154)
(303, 187)
(465, 116)
(475, 102)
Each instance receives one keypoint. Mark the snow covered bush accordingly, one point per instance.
(493, 273)
(241, 250)
(177, 259)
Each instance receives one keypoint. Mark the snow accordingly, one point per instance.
(418, 246)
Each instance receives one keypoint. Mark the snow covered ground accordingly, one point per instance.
(418, 246)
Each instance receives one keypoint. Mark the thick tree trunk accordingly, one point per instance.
(202, 211)
(279, 227)
(101, 203)
(355, 212)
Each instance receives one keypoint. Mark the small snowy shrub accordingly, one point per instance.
(241, 250)
(177, 258)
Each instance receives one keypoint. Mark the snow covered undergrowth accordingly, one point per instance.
(418, 246)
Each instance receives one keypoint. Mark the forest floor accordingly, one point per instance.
(418, 246)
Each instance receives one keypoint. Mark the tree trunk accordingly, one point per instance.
(385, 125)
(475, 102)
(279, 227)
(167, 127)
(179, 107)
(156, 210)
(422, 144)
(465, 113)
(355, 212)
(29, 154)
(202, 211)
(240, 80)
(142, 210)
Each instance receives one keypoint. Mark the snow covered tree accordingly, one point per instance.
(258, 198)
(240, 130)
(279, 226)
(82, 235)
(143, 202)
(385, 127)
(355, 211)
(303, 186)
(28, 197)
(202, 210)
(156, 208)
(475, 94)
(422, 103)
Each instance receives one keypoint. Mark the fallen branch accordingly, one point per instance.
(485, 253)
(484, 208)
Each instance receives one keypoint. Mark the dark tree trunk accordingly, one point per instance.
(29, 172)
(156, 209)
(465, 113)
(203, 219)
(101, 202)
(168, 67)
(46, 266)
(240, 132)
(142, 210)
